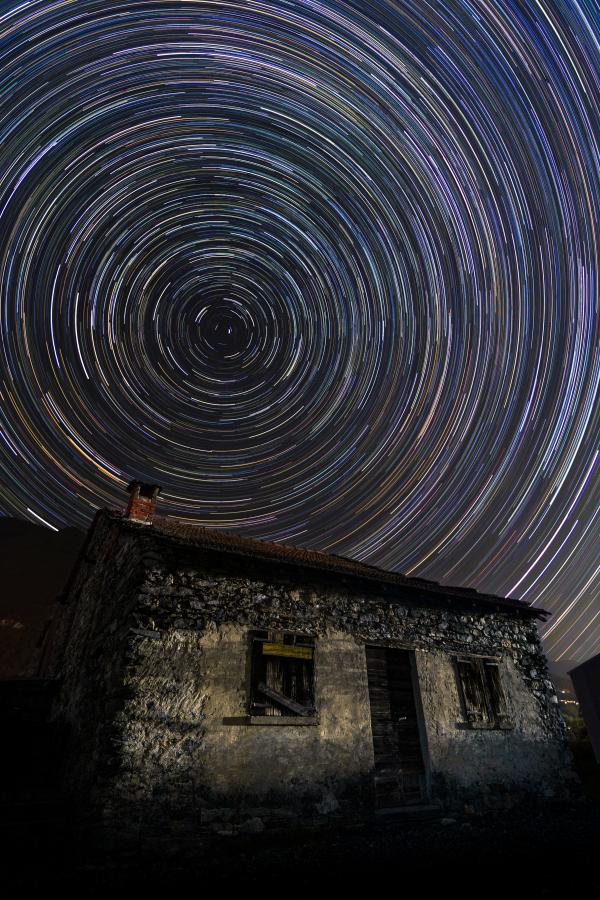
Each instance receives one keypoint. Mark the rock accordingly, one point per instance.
(448, 822)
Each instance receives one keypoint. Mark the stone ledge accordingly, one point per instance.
(271, 720)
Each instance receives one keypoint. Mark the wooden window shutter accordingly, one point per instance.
(495, 691)
(282, 674)
(473, 690)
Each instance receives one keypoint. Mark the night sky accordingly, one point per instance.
(325, 271)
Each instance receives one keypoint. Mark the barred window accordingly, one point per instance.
(282, 677)
(482, 695)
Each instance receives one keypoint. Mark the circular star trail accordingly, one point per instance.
(324, 271)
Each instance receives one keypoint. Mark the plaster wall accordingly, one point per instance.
(493, 766)
(274, 762)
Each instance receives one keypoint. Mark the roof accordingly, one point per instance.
(185, 534)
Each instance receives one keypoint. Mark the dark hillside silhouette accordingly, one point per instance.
(35, 563)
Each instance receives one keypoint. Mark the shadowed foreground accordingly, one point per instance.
(550, 854)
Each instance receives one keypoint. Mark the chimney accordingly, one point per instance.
(142, 502)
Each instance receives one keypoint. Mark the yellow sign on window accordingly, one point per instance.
(287, 650)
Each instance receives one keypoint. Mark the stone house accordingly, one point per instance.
(208, 677)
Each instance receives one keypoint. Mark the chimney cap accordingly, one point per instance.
(145, 488)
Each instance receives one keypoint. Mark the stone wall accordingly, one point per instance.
(92, 639)
(161, 656)
(493, 768)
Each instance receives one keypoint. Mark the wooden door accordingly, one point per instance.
(399, 769)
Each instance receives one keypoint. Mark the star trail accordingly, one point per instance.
(325, 271)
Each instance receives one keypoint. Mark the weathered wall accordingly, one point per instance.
(274, 762)
(168, 673)
(232, 762)
(491, 767)
(93, 633)
(185, 747)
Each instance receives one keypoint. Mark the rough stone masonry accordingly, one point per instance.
(211, 681)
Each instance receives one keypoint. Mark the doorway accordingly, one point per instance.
(399, 767)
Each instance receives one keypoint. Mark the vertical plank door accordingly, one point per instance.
(399, 769)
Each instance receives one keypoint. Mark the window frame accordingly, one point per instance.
(260, 710)
(483, 703)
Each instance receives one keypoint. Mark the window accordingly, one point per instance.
(481, 692)
(282, 677)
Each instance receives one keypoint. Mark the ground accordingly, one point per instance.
(528, 854)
